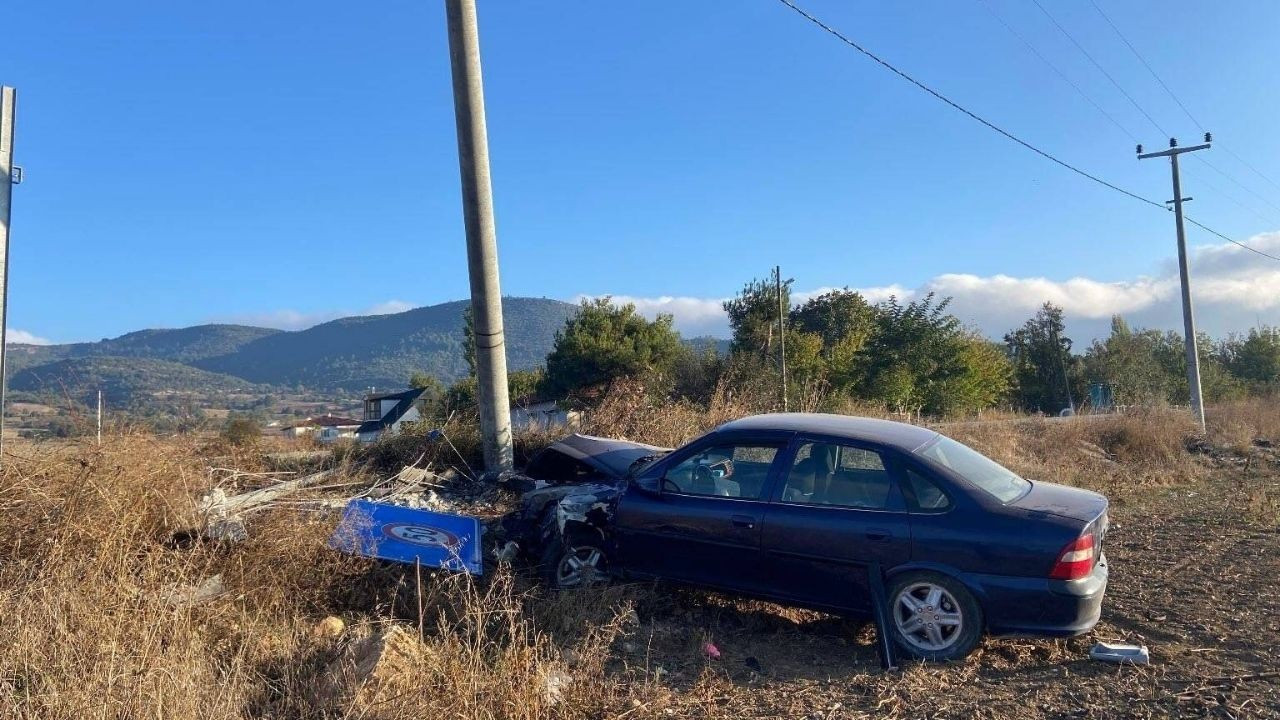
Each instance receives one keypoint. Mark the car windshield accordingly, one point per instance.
(989, 475)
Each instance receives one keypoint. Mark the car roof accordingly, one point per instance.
(883, 432)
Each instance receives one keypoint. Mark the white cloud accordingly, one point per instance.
(1233, 290)
(16, 336)
(287, 319)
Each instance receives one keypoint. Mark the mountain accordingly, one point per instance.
(382, 351)
(123, 380)
(184, 345)
(350, 354)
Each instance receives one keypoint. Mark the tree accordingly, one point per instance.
(241, 430)
(981, 378)
(1254, 358)
(603, 342)
(1042, 361)
(1141, 366)
(753, 316)
(845, 322)
(914, 347)
(431, 403)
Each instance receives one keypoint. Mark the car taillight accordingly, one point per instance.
(1076, 559)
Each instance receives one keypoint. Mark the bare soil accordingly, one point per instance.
(1195, 577)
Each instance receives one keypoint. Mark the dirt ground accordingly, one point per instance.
(94, 625)
(1195, 577)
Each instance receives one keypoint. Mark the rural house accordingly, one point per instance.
(385, 413)
(325, 428)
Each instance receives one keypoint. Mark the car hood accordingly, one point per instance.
(611, 457)
(1063, 501)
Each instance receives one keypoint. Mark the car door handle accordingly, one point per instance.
(879, 535)
(744, 521)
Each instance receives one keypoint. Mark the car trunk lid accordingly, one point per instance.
(1062, 501)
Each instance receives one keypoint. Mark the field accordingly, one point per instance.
(99, 618)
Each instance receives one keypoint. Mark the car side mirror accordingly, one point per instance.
(648, 485)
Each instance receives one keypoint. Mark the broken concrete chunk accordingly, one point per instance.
(372, 662)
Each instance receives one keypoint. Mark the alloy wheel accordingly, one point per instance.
(928, 616)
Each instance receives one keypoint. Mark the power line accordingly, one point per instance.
(1185, 111)
(1211, 231)
(992, 126)
(1101, 69)
(1147, 65)
(1053, 67)
(1088, 98)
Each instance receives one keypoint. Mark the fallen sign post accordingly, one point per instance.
(408, 535)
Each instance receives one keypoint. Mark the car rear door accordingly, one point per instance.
(836, 509)
(704, 527)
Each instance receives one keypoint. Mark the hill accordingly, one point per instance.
(124, 381)
(350, 354)
(382, 351)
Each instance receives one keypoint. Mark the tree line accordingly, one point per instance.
(843, 351)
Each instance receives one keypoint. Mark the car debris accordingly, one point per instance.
(569, 490)
(222, 514)
(407, 535)
(1120, 653)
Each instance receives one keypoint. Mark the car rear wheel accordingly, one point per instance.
(933, 617)
(580, 564)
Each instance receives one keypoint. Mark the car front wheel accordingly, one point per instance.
(933, 617)
(580, 564)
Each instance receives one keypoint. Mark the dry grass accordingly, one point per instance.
(89, 568)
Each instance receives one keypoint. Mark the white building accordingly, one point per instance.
(325, 428)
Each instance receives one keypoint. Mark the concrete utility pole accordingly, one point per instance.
(8, 118)
(782, 332)
(1188, 316)
(482, 242)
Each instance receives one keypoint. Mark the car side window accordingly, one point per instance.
(729, 470)
(838, 475)
(928, 496)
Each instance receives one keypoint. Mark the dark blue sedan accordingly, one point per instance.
(795, 508)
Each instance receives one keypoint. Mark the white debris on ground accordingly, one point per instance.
(554, 683)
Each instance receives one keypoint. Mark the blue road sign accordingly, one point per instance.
(401, 534)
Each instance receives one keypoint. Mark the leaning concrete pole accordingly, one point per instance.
(482, 242)
(8, 114)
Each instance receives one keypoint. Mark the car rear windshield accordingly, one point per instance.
(989, 475)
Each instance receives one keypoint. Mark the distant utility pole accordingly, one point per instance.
(99, 417)
(1188, 316)
(782, 332)
(482, 241)
(8, 118)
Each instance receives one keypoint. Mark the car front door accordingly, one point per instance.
(837, 509)
(703, 527)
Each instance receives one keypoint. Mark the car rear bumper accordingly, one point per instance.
(1040, 606)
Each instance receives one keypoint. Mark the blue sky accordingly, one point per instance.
(286, 162)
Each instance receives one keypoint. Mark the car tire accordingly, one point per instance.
(580, 562)
(933, 617)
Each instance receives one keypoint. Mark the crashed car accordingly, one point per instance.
(800, 509)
